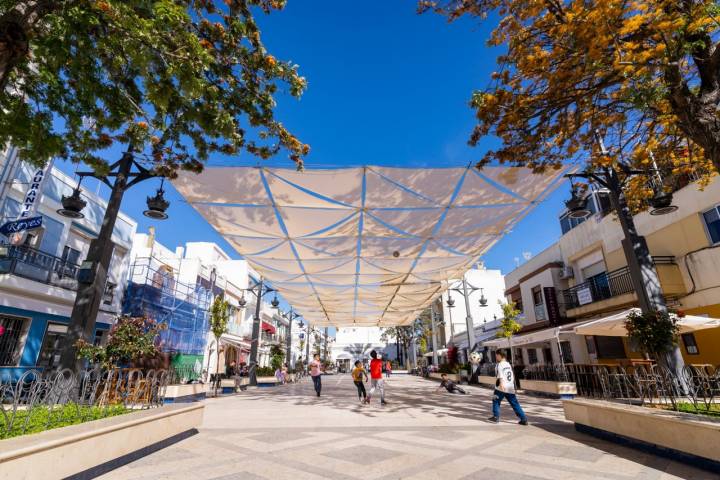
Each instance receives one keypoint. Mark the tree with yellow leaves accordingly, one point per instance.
(644, 73)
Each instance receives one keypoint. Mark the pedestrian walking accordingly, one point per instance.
(449, 385)
(505, 389)
(316, 373)
(359, 376)
(376, 378)
(388, 369)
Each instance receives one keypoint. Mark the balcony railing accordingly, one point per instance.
(28, 262)
(604, 286)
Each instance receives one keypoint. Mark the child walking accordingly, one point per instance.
(359, 376)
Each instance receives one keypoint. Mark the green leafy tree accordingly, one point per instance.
(655, 333)
(170, 80)
(508, 324)
(131, 339)
(277, 357)
(219, 317)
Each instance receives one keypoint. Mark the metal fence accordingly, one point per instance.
(697, 390)
(39, 401)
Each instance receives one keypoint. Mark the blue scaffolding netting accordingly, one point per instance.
(154, 292)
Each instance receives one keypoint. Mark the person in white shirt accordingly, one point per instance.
(505, 388)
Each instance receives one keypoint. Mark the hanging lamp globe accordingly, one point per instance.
(275, 302)
(450, 302)
(157, 206)
(72, 205)
(661, 204)
(577, 205)
(242, 302)
(483, 301)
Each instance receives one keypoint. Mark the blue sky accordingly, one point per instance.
(385, 87)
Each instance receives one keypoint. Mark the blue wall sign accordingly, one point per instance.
(21, 225)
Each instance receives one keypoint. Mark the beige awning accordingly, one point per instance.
(539, 336)
(363, 246)
(614, 325)
(235, 341)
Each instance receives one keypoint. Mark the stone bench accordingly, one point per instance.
(564, 390)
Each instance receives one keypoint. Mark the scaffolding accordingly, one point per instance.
(155, 292)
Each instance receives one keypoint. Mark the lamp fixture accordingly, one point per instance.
(73, 205)
(577, 204)
(157, 205)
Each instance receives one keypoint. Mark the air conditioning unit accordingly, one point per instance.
(567, 272)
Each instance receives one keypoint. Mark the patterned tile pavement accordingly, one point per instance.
(287, 433)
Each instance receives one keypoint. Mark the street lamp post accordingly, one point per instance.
(307, 345)
(262, 289)
(641, 267)
(466, 291)
(291, 315)
(92, 275)
(433, 334)
(326, 345)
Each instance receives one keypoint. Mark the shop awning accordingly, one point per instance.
(366, 246)
(268, 327)
(540, 336)
(614, 325)
(440, 353)
(235, 341)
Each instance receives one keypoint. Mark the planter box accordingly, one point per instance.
(486, 380)
(681, 436)
(451, 376)
(564, 390)
(93, 448)
(267, 381)
(185, 393)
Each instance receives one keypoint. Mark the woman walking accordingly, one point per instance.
(359, 375)
(316, 373)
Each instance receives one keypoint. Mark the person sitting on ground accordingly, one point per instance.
(359, 375)
(449, 385)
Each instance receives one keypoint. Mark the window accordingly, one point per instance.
(609, 347)
(532, 356)
(109, 293)
(537, 296)
(11, 339)
(691, 346)
(566, 351)
(70, 255)
(52, 343)
(590, 342)
(712, 222)
(547, 356)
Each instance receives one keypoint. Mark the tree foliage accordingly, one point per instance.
(655, 333)
(174, 79)
(219, 316)
(644, 73)
(508, 324)
(277, 357)
(130, 339)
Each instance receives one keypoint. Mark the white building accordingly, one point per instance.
(356, 343)
(188, 278)
(38, 277)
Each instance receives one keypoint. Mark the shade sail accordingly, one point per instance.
(614, 325)
(363, 246)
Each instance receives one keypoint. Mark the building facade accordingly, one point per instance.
(584, 276)
(38, 273)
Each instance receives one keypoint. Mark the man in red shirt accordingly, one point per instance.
(376, 378)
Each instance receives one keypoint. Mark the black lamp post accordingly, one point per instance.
(466, 290)
(259, 289)
(290, 316)
(643, 273)
(92, 275)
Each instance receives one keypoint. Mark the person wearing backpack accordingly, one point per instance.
(505, 389)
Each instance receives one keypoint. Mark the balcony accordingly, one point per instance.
(30, 263)
(615, 288)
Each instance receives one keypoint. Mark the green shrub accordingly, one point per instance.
(265, 371)
(448, 368)
(42, 418)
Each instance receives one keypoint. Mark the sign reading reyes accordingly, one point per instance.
(22, 225)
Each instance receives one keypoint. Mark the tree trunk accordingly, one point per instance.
(16, 28)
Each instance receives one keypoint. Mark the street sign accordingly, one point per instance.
(21, 225)
(584, 296)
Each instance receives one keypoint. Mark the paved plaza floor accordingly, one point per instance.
(287, 433)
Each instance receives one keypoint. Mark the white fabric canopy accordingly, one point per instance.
(363, 246)
(614, 325)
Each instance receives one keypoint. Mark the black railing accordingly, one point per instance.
(606, 285)
(31, 263)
